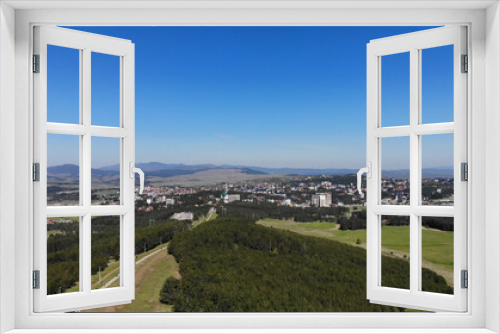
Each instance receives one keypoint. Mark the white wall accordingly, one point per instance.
(492, 163)
(7, 185)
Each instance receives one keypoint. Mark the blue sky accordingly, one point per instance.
(262, 96)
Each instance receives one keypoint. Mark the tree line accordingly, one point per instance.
(266, 210)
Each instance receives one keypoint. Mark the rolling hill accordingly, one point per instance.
(158, 173)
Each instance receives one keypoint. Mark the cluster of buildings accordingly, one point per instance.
(299, 193)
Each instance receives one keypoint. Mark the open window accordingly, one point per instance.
(405, 128)
(79, 128)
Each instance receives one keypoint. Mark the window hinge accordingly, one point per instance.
(36, 172)
(465, 279)
(464, 171)
(465, 64)
(36, 63)
(36, 279)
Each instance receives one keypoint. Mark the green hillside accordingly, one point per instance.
(235, 265)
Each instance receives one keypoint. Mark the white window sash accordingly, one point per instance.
(86, 298)
(415, 297)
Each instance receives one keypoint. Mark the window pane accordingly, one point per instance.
(437, 84)
(63, 249)
(105, 252)
(395, 90)
(437, 254)
(105, 171)
(63, 170)
(395, 159)
(105, 90)
(396, 251)
(437, 169)
(63, 85)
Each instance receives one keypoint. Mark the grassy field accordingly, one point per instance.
(437, 246)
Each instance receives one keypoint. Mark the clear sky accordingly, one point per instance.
(261, 96)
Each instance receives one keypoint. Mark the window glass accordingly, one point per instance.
(250, 138)
(395, 89)
(395, 158)
(437, 254)
(105, 247)
(395, 251)
(63, 85)
(63, 255)
(63, 170)
(437, 170)
(105, 171)
(437, 84)
(105, 90)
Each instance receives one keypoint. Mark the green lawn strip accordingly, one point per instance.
(396, 238)
(437, 247)
(350, 237)
(148, 290)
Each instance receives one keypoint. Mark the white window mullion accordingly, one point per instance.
(85, 175)
(86, 254)
(372, 156)
(127, 102)
(414, 170)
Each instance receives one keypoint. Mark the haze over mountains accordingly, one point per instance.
(162, 170)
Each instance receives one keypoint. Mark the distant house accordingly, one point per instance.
(233, 197)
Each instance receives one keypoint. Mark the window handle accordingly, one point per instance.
(368, 171)
(139, 171)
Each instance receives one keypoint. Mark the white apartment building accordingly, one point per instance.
(321, 199)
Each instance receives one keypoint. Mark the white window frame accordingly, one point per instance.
(86, 44)
(414, 43)
(482, 19)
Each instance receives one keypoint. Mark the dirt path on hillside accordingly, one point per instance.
(144, 271)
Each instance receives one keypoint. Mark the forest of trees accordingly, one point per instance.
(63, 247)
(439, 223)
(265, 210)
(234, 265)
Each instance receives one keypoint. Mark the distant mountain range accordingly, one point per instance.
(158, 169)
(158, 166)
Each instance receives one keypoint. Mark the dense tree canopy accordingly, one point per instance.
(234, 265)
